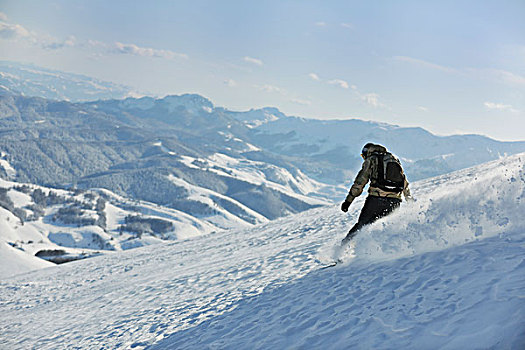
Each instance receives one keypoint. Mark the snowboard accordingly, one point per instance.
(339, 255)
(328, 265)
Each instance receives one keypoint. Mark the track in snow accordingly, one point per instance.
(467, 297)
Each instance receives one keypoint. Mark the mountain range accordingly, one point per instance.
(31, 80)
(217, 168)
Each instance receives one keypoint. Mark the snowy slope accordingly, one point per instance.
(33, 224)
(91, 232)
(280, 179)
(14, 262)
(447, 271)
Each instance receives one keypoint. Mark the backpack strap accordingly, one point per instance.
(378, 161)
(380, 166)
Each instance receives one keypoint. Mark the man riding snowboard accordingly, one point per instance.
(387, 182)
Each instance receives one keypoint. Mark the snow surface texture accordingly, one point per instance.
(447, 271)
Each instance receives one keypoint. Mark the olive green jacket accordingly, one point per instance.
(368, 169)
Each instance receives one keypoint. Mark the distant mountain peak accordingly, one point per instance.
(192, 102)
(257, 117)
(269, 112)
(143, 103)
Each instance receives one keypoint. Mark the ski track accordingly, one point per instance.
(262, 288)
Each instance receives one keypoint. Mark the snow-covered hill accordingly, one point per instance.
(447, 271)
(65, 225)
(169, 154)
(61, 226)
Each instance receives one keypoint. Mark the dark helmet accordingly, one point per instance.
(364, 151)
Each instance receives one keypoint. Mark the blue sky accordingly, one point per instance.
(447, 66)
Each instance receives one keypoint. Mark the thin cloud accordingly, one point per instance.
(320, 24)
(55, 44)
(271, 89)
(347, 25)
(3, 17)
(500, 107)
(339, 82)
(252, 60)
(423, 109)
(314, 76)
(510, 77)
(500, 75)
(372, 99)
(96, 44)
(13, 31)
(134, 50)
(230, 83)
(496, 75)
(16, 32)
(425, 64)
(301, 102)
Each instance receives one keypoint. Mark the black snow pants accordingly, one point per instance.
(374, 208)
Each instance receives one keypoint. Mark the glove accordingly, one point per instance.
(345, 206)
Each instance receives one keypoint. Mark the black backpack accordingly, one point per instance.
(390, 176)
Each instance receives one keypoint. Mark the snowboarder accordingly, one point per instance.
(387, 182)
